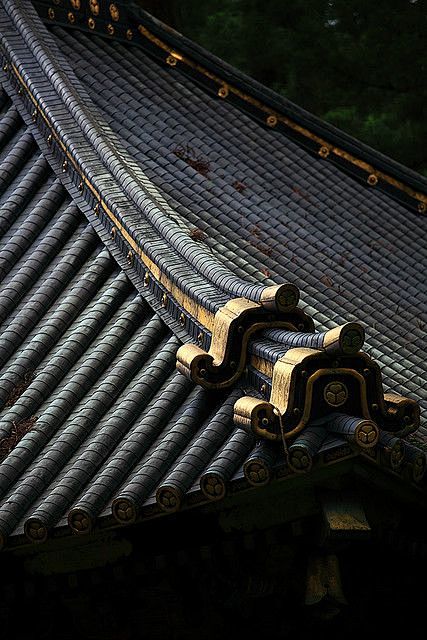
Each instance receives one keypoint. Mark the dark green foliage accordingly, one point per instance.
(359, 64)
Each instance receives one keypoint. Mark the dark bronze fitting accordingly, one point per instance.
(401, 415)
(169, 499)
(124, 510)
(80, 521)
(346, 339)
(35, 530)
(213, 486)
(282, 298)
(392, 450)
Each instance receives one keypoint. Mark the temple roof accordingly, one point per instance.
(160, 211)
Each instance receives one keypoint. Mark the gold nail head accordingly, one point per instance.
(96, 209)
(114, 12)
(75, 4)
(263, 389)
(182, 319)
(372, 180)
(71, 18)
(94, 7)
(164, 300)
(110, 29)
(91, 23)
(200, 338)
(146, 279)
(51, 14)
(113, 232)
(223, 91)
(49, 139)
(129, 34)
(64, 166)
(129, 258)
(323, 152)
(34, 115)
(5, 67)
(80, 186)
(171, 61)
(271, 121)
(422, 207)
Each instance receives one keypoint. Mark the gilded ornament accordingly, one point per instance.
(76, 4)
(91, 23)
(372, 180)
(271, 121)
(51, 14)
(110, 29)
(71, 18)
(129, 34)
(223, 91)
(171, 61)
(323, 152)
(335, 394)
(114, 12)
(94, 7)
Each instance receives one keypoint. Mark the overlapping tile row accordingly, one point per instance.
(96, 424)
(268, 205)
(184, 281)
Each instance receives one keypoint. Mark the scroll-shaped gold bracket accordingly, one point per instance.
(234, 324)
(308, 385)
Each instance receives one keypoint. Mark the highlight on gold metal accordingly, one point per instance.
(323, 152)
(372, 180)
(49, 139)
(5, 67)
(129, 34)
(171, 61)
(94, 7)
(71, 18)
(164, 300)
(182, 319)
(51, 14)
(96, 209)
(64, 166)
(223, 91)
(34, 115)
(110, 29)
(341, 153)
(91, 23)
(422, 207)
(76, 4)
(113, 233)
(146, 279)
(130, 258)
(114, 12)
(335, 394)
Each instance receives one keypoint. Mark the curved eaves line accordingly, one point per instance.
(109, 149)
(201, 293)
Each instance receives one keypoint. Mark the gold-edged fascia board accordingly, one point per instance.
(272, 118)
(307, 385)
(171, 292)
(235, 323)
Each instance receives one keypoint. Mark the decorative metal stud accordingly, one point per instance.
(94, 7)
(76, 4)
(49, 139)
(200, 338)
(129, 34)
(372, 179)
(422, 207)
(114, 12)
(323, 152)
(223, 91)
(96, 209)
(51, 14)
(130, 258)
(263, 389)
(64, 166)
(91, 23)
(110, 29)
(164, 300)
(81, 186)
(5, 67)
(146, 279)
(182, 320)
(71, 17)
(171, 61)
(113, 233)
(34, 115)
(271, 121)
